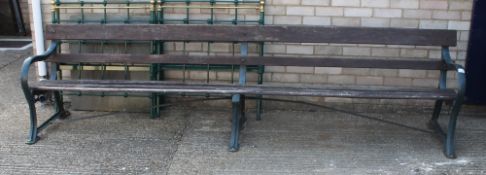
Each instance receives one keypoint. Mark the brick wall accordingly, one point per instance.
(423, 14)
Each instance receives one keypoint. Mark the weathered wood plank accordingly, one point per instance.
(251, 60)
(253, 33)
(178, 88)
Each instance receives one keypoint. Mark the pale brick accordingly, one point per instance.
(413, 53)
(404, 4)
(356, 51)
(459, 25)
(421, 82)
(430, 24)
(274, 68)
(341, 79)
(298, 69)
(300, 10)
(388, 13)
(310, 78)
(356, 71)
(316, 2)
(274, 48)
(275, 10)
(225, 76)
(385, 52)
(285, 77)
(337, 21)
(461, 56)
(286, 2)
(375, 3)
(460, 5)
(317, 20)
(405, 23)
(369, 80)
(297, 49)
(347, 3)
(220, 47)
(461, 45)
(450, 15)
(193, 46)
(419, 14)
(287, 20)
(463, 35)
(375, 22)
(174, 74)
(412, 73)
(328, 50)
(433, 4)
(466, 16)
(269, 20)
(328, 70)
(329, 11)
(433, 74)
(202, 75)
(395, 81)
(358, 12)
(384, 72)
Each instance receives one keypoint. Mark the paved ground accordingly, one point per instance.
(317, 141)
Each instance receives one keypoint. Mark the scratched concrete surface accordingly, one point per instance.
(183, 141)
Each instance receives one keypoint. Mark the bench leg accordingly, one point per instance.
(242, 112)
(34, 129)
(259, 109)
(155, 110)
(437, 110)
(238, 121)
(449, 137)
(450, 147)
(259, 102)
(33, 138)
(63, 113)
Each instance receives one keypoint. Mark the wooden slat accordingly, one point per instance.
(252, 60)
(255, 33)
(178, 88)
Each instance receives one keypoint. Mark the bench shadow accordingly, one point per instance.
(354, 114)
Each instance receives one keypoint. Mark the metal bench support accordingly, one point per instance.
(238, 105)
(34, 96)
(448, 138)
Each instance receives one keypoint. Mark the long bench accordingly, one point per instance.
(245, 35)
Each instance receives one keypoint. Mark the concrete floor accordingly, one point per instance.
(317, 141)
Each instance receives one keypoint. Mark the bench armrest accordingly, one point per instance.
(460, 73)
(24, 74)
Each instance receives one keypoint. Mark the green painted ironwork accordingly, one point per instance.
(157, 12)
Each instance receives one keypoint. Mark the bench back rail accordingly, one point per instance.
(253, 33)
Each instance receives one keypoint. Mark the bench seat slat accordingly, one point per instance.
(178, 88)
(252, 60)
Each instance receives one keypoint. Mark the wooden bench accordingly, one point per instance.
(245, 35)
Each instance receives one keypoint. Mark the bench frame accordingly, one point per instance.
(34, 95)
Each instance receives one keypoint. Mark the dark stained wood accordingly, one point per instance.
(178, 88)
(252, 33)
(252, 60)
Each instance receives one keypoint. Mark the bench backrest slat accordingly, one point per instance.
(253, 33)
(251, 60)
